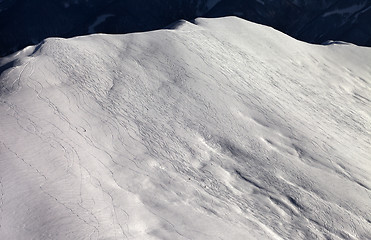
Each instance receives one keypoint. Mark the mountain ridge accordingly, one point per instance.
(219, 128)
(24, 23)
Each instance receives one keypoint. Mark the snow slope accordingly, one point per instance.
(222, 129)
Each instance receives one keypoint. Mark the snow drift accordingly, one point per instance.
(222, 129)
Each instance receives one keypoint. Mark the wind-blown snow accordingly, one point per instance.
(349, 10)
(98, 21)
(223, 129)
(211, 3)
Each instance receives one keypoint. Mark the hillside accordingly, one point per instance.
(222, 129)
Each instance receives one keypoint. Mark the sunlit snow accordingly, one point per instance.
(222, 129)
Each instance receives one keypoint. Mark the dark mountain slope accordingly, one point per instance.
(27, 22)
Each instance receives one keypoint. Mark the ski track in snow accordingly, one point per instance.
(222, 129)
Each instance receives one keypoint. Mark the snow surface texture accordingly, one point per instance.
(222, 129)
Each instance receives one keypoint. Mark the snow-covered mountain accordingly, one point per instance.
(222, 129)
(27, 22)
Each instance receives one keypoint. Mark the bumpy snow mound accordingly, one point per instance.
(222, 129)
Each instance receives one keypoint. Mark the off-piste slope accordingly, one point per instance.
(222, 129)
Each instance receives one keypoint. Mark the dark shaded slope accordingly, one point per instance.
(27, 22)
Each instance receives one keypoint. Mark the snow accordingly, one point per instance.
(211, 3)
(208, 5)
(98, 21)
(223, 129)
(349, 10)
(365, 10)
